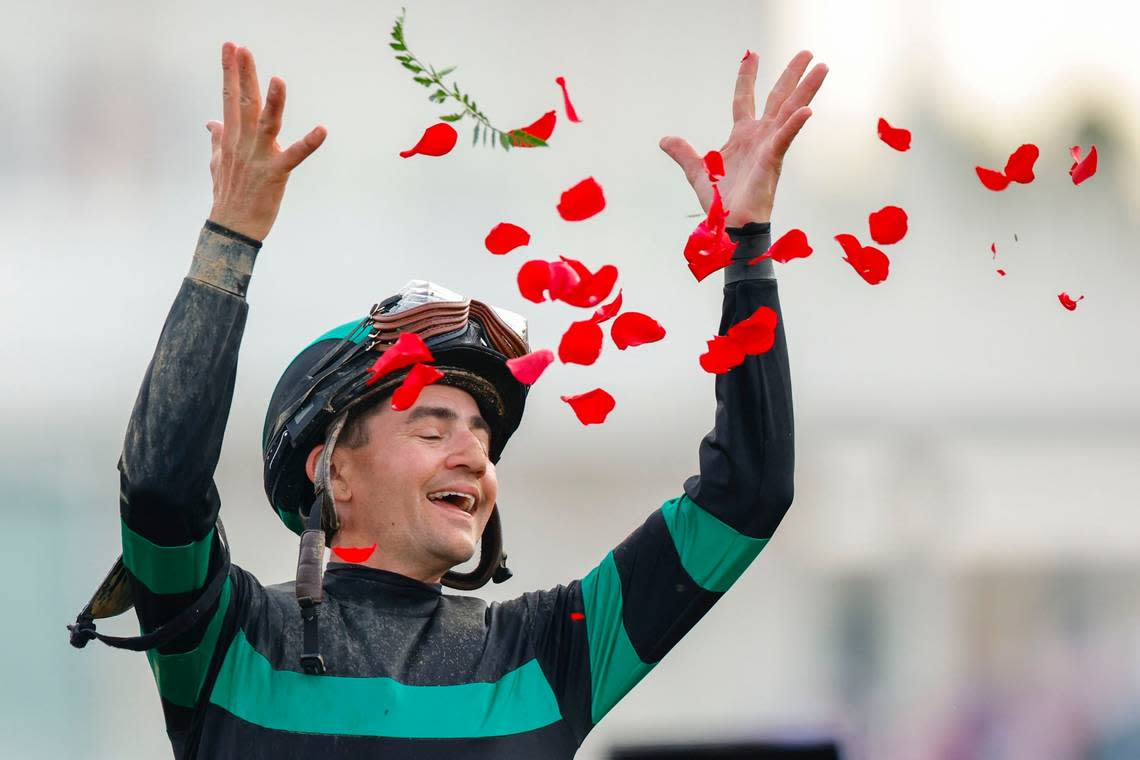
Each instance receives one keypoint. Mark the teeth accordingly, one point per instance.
(468, 499)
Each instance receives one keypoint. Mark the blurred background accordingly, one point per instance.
(958, 575)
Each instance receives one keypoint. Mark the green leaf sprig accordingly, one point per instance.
(427, 76)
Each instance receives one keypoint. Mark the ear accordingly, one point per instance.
(340, 488)
(311, 462)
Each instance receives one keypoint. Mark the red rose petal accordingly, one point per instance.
(714, 165)
(542, 129)
(993, 247)
(354, 553)
(991, 179)
(757, 333)
(409, 390)
(534, 279)
(709, 247)
(871, 263)
(577, 616)
(608, 310)
(528, 368)
(571, 114)
(591, 288)
(564, 279)
(899, 139)
(437, 140)
(504, 237)
(888, 225)
(635, 329)
(591, 407)
(793, 244)
(723, 354)
(1019, 167)
(581, 343)
(747, 53)
(718, 214)
(1000, 271)
(1068, 302)
(1082, 170)
(581, 201)
(408, 349)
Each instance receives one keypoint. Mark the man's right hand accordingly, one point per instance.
(248, 166)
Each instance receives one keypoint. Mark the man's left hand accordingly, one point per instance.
(755, 149)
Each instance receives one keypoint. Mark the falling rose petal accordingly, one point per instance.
(757, 333)
(1068, 302)
(528, 368)
(581, 201)
(1019, 167)
(993, 248)
(408, 349)
(592, 287)
(581, 343)
(409, 390)
(534, 279)
(635, 329)
(723, 354)
(354, 553)
(714, 165)
(571, 114)
(991, 179)
(437, 140)
(899, 139)
(793, 244)
(718, 214)
(707, 252)
(542, 129)
(871, 263)
(577, 616)
(747, 53)
(888, 225)
(564, 279)
(1000, 271)
(607, 311)
(1082, 170)
(591, 407)
(504, 237)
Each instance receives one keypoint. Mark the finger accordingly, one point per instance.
(269, 124)
(803, 93)
(250, 101)
(303, 148)
(231, 89)
(744, 100)
(215, 130)
(686, 157)
(786, 83)
(782, 140)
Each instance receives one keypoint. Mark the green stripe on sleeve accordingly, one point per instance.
(615, 667)
(179, 676)
(167, 569)
(713, 553)
(285, 700)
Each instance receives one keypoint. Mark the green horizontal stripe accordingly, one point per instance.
(167, 569)
(284, 700)
(179, 676)
(713, 553)
(615, 667)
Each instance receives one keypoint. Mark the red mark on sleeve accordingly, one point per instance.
(437, 140)
(504, 237)
(577, 616)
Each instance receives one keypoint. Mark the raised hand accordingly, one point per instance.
(754, 153)
(248, 166)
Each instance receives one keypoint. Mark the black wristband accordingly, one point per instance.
(215, 227)
(752, 240)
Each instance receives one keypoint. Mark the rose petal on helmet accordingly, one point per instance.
(592, 287)
(888, 225)
(991, 179)
(714, 165)
(534, 279)
(591, 407)
(1068, 302)
(354, 553)
(635, 329)
(1082, 170)
(437, 140)
(409, 390)
(542, 128)
(607, 311)
(581, 201)
(504, 237)
(1019, 167)
(581, 343)
(723, 354)
(897, 138)
(528, 368)
(1000, 271)
(793, 244)
(571, 114)
(757, 333)
(408, 349)
(871, 263)
(564, 279)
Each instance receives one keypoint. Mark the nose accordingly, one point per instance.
(469, 454)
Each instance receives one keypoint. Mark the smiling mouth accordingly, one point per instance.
(454, 502)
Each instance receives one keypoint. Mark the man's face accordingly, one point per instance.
(402, 489)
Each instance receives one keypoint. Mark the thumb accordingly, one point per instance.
(686, 157)
(215, 130)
